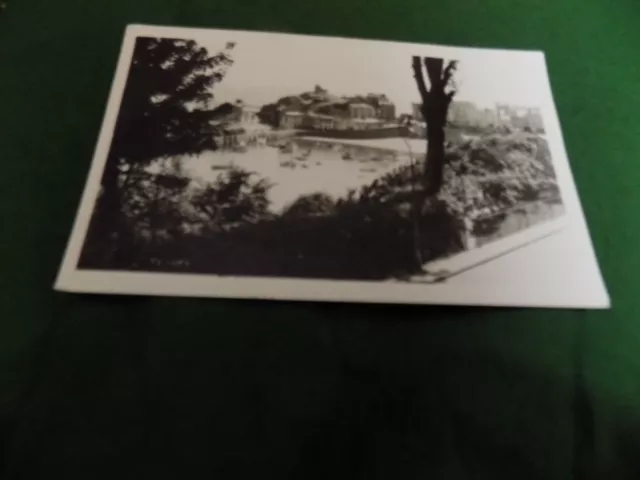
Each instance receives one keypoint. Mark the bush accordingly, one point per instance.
(225, 228)
(497, 171)
(367, 235)
(161, 210)
(311, 205)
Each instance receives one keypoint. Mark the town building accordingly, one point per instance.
(361, 110)
(463, 114)
(520, 117)
(292, 120)
(416, 112)
(241, 126)
(321, 110)
(366, 123)
(490, 118)
(385, 109)
(243, 113)
(468, 114)
(318, 121)
(249, 114)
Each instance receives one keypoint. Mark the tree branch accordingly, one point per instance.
(449, 70)
(450, 96)
(434, 71)
(419, 76)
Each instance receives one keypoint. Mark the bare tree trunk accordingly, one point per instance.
(435, 107)
(434, 164)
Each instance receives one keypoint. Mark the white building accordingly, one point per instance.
(520, 117)
(319, 122)
(463, 114)
(291, 120)
(468, 114)
(249, 114)
(361, 110)
(416, 112)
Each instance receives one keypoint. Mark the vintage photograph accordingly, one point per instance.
(235, 157)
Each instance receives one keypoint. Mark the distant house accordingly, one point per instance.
(292, 120)
(463, 114)
(361, 111)
(319, 122)
(366, 123)
(416, 112)
(520, 117)
(318, 109)
(490, 117)
(385, 109)
(243, 113)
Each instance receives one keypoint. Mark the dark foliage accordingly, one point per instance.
(311, 205)
(354, 239)
(167, 100)
(367, 235)
(498, 171)
(226, 227)
(270, 114)
(232, 200)
(165, 111)
(162, 211)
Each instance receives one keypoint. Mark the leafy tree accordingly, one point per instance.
(233, 199)
(310, 205)
(166, 110)
(166, 104)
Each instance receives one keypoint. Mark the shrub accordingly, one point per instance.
(310, 205)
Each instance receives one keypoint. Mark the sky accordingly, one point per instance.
(269, 66)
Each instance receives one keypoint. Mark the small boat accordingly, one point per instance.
(304, 155)
(286, 147)
(347, 156)
(221, 167)
(288, 164)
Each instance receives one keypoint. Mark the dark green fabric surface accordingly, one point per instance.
(105, 387)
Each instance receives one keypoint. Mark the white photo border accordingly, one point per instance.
(584, 286)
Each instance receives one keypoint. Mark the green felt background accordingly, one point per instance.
(103, 387)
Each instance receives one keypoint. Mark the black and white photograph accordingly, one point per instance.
(262, 165)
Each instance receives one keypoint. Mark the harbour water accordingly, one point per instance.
(300, 166)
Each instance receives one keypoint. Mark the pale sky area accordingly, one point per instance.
(270, 66)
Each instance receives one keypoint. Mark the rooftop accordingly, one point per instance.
(361, 104)
(318, 115)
